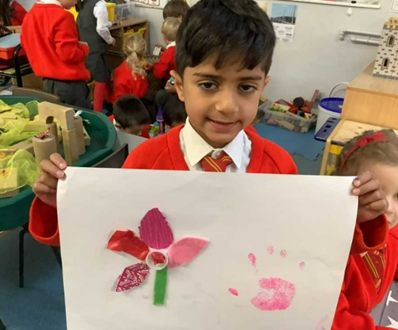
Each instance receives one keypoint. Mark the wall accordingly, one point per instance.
(317, 59)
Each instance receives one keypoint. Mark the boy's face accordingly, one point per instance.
(388, 178)
(220, 103)
(133, 129)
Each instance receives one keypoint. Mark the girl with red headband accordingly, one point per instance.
(369, 274)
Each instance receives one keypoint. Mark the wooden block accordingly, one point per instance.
(8, 182)
(87, 139)
(71, 151)
(80, 136)
(64, 115)
(44, 148)
(52, 127)
(25, 145)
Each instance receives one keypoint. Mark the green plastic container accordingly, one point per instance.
(14, 211)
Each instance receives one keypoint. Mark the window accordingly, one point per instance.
(391, 41)
(385, 64)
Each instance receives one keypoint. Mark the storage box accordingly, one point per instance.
(124, 11)
(8, 44)
(288, 120)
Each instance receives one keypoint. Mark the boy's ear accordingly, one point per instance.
(266, 81)
(178, 84)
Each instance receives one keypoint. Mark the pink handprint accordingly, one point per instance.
(276, 294)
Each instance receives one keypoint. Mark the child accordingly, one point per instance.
(224, 52)
(131, 116)
(11, 13)
(93, 25)
(162, 69)
(175, 8)
(369, 274)
(50, 38)
(129, 77)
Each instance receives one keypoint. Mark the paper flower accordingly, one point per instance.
(156, 249)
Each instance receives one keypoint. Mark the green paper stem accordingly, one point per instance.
(159, 293)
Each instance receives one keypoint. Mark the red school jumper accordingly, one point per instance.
(164, 153)
(124, 83)
(166, 63)
(358, 295)
(50, 38)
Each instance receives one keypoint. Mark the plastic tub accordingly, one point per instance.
(328, 107)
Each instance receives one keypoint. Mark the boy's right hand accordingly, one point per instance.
(46, 183)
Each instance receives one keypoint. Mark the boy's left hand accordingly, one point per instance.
(372, 199)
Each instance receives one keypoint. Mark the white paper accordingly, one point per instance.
(305, 219)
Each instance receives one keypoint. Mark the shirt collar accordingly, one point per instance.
(172, 44)
(196, 148)
(50, 2)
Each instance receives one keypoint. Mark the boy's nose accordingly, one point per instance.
(227, 101)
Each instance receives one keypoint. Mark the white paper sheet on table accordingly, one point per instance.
(307, 221)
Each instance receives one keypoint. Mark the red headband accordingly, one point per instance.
(362, 142)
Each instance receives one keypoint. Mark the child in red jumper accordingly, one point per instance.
(129, 77)
(50, 38)
(131, 116)
(11, 13)
(166, 63)
(221, 76)
(369, 274)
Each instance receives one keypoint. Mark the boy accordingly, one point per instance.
(50, 38)
(176, 8)
(131, 116)
(224, 52)
(162, 69)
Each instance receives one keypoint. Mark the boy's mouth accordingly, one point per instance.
(221, 124)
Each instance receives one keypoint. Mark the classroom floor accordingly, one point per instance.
(40, 304)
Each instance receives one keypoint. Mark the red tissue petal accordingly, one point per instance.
(128, 242)
(132, 277)
(158, 258)
(155, 230)
(184, 250)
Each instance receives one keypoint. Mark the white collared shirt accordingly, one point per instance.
(103, 25)
(194, 148)
(171, 44)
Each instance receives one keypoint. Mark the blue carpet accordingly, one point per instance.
(303, 144)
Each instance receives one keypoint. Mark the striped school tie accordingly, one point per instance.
(375, 262)
(210, 164)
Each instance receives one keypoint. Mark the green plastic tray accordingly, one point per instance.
(14, 211)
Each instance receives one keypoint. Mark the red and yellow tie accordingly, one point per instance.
(375, 262)
(210, 164)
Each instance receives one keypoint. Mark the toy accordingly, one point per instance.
(44, 145)
(386, 60)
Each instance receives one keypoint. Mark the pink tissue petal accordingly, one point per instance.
(184, 250)
(132, 276)
(155, 230)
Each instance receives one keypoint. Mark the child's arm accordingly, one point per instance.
(162, 68)
(346, 318)
(66, 39)
(103, 25)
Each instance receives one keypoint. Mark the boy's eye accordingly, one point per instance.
(248, 88)
(208, 86)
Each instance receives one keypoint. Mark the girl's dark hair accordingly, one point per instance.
(229, 29)
(385, 152)
(5, 12)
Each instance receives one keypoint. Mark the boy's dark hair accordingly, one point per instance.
(175, 8)
(229, 29)
(385, 152)
(129, 110)
(174, 114)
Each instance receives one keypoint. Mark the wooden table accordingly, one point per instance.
(114, 55)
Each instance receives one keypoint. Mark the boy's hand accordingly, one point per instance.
(372, 199)
(46, 183)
